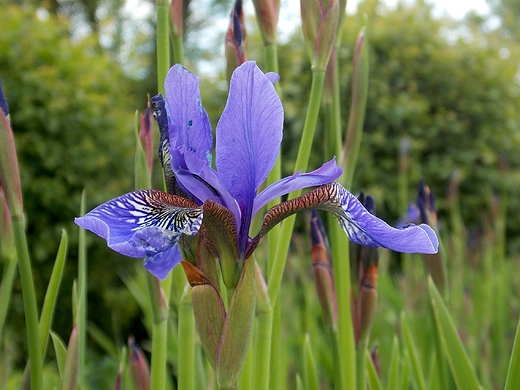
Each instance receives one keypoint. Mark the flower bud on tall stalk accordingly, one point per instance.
(235, 39)
(139, 367)
(319, 23)
(322, 271)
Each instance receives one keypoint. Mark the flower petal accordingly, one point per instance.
(160, 264)
(361, 227)
(327, 173)
(248, 135)
(203, 182)
(188, 122)
(143, 223)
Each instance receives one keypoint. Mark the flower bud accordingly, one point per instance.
(267, 12)
(236, 334)
(208, 310)
(4, 107)
(138, 366)
(236, 39)
(319, 23)
(176, 12)
(322, 270)
(367, 303)
(9, 174)
(7, 247)
(146, 136)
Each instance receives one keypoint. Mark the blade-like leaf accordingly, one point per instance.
(460, 365)
(373, 379)
(49, 302)
(60, 350)
(393, 371)
(310, 376)
(413, 354)
(513, 373)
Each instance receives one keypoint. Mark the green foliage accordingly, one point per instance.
(71, 113)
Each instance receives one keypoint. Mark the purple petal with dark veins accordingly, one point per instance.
(143, 223)
(366, 229)
(248, 134)
(327, 173)
(188, 122)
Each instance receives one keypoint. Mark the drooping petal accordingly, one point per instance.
(160, 264)
(327, 173)
(248, 135)
(189, 125)
(361, 227)
(143, 223)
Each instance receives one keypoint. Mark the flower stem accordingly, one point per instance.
(345, 336)
(280, 257)
(263, 334)
(82, 304)
(163, 48)
(159, 332)
(186, 333)
(29, 302)
(178, 50)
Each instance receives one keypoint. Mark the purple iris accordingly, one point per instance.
(150, 223)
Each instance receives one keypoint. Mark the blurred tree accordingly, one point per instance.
(72, 115)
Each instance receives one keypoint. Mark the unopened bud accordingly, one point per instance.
(267, 12)
(145, 136)
(319, 23)
(139, 367)
(322, 270)
(236, 39)
(367, 302)
(177, 11)
(9, 173)
(7, 246)
(208, 309)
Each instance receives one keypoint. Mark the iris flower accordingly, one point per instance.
(219, 203)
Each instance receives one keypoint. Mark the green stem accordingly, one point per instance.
(262, 350)
(276, 371)
(186, 336)
(29, 302)
(178, 50)
(345, 337)
(82, 304)
(159, 332)
(275, 276)
(361, 368)
(163, 48)
(8, 275)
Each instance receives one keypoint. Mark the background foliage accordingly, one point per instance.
(450, 87)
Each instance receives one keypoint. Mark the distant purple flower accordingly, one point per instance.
(149, 223)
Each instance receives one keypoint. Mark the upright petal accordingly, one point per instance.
(189, 125)
(248, 135)
(327, 173)
(143, 223)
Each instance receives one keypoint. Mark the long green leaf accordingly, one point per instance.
(513, 373)
(60, 351)
(53, 288)
(373, 379)
(393, 371)
(413, 354)
(310, 376)
(459, 362)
